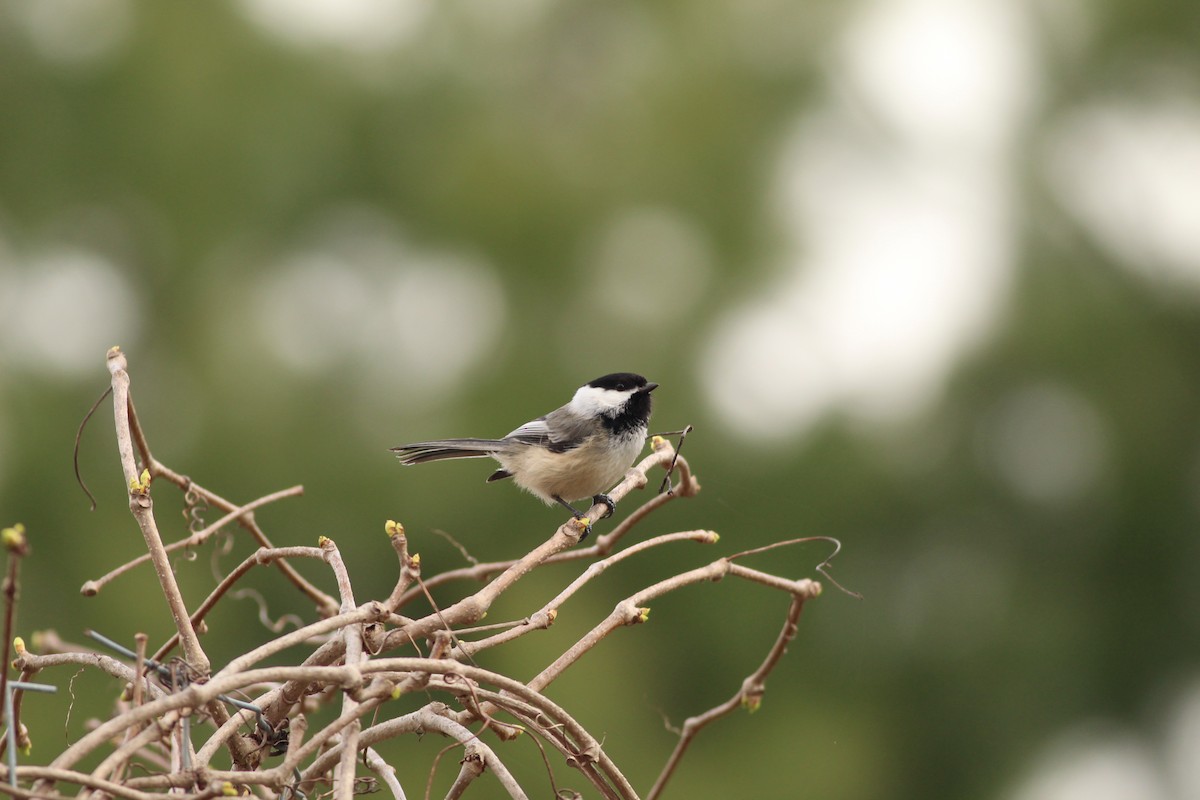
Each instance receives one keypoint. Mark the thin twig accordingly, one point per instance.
(749, 696)
(324, 603)
(665, 486)
(16, 543)
(822, 568)
(258, 557)
(79, 437)
(543, 617)
(94, 586)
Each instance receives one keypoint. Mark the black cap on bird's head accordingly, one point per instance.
(621, 400)
(623, 382)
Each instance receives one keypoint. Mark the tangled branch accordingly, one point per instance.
(181, 718)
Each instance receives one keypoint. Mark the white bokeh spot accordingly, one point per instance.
(1046, 442)
(1128, 171)
(75, 31)
(352, 25)
(61, 308)
(898, 247)
(943, 72)
(1094, 763)
(404, 318)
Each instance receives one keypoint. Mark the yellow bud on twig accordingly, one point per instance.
(14, 539)
(140, 484)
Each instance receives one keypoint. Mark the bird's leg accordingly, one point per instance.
(606, 500)
(577, 514)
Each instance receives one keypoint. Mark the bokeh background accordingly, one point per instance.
(924, 274)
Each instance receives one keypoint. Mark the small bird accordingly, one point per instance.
(574, 452)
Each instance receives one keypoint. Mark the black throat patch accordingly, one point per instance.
(635, 414)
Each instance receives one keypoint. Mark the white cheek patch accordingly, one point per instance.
(590, 400)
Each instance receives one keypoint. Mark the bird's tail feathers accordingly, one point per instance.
(420, 452)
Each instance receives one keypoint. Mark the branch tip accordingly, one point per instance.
(14, 539)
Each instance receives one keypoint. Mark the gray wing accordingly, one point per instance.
(533, 432)
(558, 430)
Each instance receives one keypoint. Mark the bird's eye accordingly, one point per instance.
(620, 387)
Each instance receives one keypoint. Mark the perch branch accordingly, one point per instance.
(142, 508)
(604, 544)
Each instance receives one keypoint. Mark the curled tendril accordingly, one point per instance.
(79, 437)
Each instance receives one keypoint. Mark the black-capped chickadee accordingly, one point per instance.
(574, 452)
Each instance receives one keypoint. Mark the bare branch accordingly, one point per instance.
(603, 545)
(259, 557)
(748, 696)
(341, 667)
(385, 771)
(143, 511)
(545, 616)
(323, 602)
(93, 587)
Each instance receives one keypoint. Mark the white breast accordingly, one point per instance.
(577, 474)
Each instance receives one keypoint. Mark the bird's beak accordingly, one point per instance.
(650, 387)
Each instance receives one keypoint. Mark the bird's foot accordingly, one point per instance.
(606, 500)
